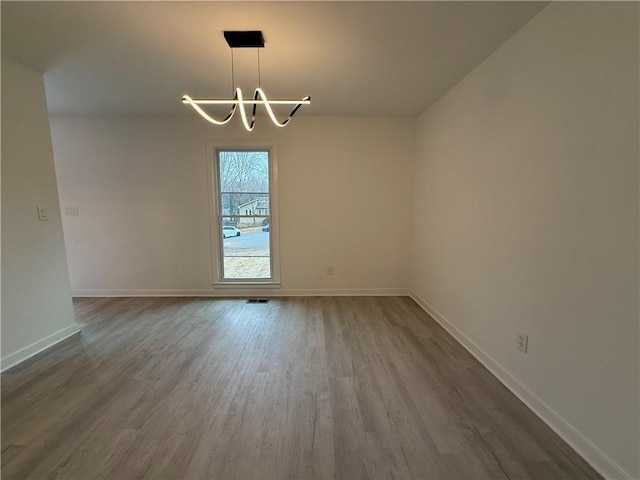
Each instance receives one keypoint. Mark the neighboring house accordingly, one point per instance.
(253, 207)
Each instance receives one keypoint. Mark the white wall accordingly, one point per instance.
(140, 183)
(36, 301)
(526, 219)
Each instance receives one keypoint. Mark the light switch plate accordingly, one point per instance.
(71, 211)
(42, 214)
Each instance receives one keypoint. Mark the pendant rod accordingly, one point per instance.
(259, 85)
(233, 78)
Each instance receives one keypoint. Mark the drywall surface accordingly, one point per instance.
(526, 220)
(36, 300)
(141, 187)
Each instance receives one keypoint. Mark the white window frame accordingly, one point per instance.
(215, 212)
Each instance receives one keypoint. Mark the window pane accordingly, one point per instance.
(244, 171)
(245, 204)
(245, 247)
(245, 213)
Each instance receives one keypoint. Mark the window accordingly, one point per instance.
(244, 201)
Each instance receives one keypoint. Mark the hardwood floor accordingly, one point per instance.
(299, 388)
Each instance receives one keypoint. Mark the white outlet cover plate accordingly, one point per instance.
(522, 342)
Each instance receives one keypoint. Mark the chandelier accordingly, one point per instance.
(245, 39)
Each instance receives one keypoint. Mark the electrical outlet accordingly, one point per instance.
(522, 342)
(329, 270)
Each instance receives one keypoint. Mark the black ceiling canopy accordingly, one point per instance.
(246, 39)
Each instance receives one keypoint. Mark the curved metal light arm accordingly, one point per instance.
(243, 113)
(260, 93)
(259, 98)
(205, 115)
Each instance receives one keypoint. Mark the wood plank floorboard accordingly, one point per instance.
(299, 388)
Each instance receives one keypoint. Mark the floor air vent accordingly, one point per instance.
(258, 300)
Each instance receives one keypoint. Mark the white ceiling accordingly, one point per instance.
(353, 58)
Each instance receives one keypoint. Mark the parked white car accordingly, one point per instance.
(230, 232)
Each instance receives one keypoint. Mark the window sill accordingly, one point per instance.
(241, 284)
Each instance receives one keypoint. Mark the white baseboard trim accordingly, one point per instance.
(237, 292)
(595, 457)
(29, 351)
